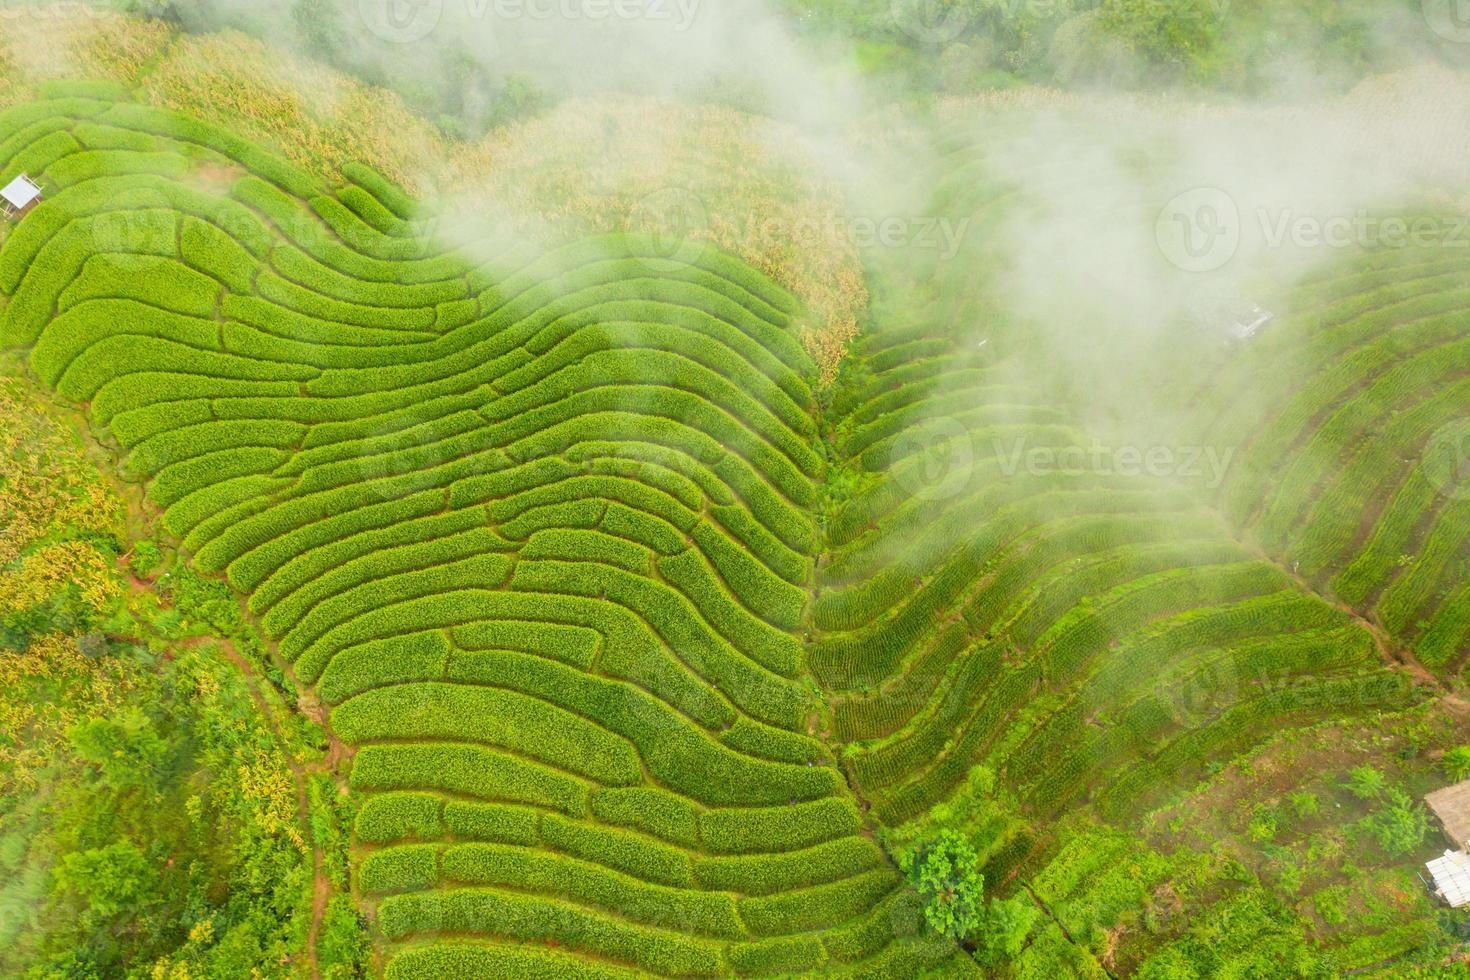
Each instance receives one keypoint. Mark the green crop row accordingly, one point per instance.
(339, 595)
(468, 769)
(530, 870)
(678, 626)
(678, 753)
(651, 810)
(528, 919)
(320, 571)
(393, 817)
(629, 653)
(409, 867)
(819, 907)
(315, 636)
(771, 874)
(495, 717)
(466, 961)
(496, 822)
(767, 830)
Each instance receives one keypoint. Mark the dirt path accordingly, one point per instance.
(269, 709)
(321, 887)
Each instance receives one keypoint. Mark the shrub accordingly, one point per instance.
(1400, 824)
(1456, 763)
(945, 871)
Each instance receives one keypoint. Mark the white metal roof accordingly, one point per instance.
(1452, 877)
(20, 192)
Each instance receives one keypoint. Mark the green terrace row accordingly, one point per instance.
(535, 525)
(1337, 476)
(1020, 618)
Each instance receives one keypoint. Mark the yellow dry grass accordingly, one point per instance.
(751, 186)
(49, 495)
(317, 117)
(588, 167)
(74, 41)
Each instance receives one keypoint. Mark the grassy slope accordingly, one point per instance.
(1102, 646)
(485, 509)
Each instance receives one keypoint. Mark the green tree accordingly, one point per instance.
(945, 872)
(1366, 783)
(109, 880)
(1003, 929)
(1401, 825)
(127, 748)
(319, 23)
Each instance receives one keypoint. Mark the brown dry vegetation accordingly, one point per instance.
(47, 489)
(589, 166)
(754, 186)
(317, 117)
(50, 495)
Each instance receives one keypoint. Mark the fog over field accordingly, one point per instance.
(698, 488)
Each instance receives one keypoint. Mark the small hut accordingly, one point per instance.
(1452, 806)
(19, 196)
(1451, 877)
(1450, 874)
(1233, 319)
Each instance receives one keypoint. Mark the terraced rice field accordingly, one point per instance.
(536, 528)
(547, 533)
(1354, 470)
(1100, 641)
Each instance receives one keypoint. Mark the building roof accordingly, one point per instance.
(1452, 806)
(1451, 875)
(20, 192)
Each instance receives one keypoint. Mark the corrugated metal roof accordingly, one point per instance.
(20, 192)
(1451, 875)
